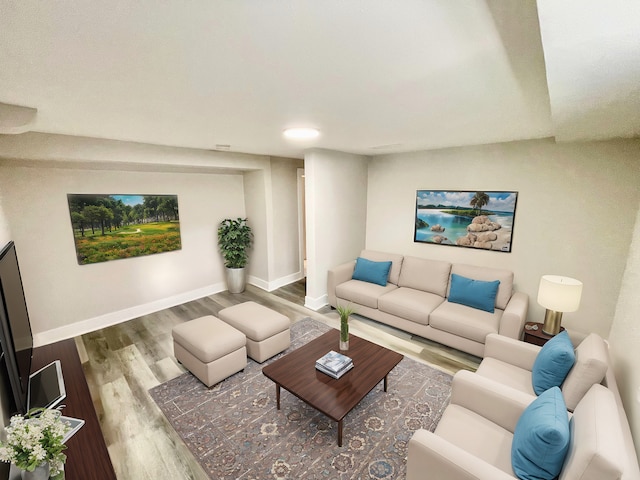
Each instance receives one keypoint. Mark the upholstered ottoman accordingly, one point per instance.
(267, 331)
(211, 349)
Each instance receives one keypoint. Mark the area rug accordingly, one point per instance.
(235, 431)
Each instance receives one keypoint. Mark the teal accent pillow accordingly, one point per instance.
(541, 438)
(473, 293)
(553, 363)
(372, 272)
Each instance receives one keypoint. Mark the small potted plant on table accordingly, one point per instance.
(345, 312)
(34, 444)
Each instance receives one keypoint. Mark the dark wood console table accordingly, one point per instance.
(87, 455)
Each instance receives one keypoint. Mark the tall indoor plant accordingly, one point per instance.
(234, 239)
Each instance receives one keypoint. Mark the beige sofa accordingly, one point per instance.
(414, 300)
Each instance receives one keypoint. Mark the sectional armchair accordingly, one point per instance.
(482, 430)
(511, 363)
(478, 430)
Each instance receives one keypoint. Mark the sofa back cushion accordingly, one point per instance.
(591, 365)
(396, 262)
(597, 442)
(487, 274)
(427, 275)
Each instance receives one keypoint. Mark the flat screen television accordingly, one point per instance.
(16, 337)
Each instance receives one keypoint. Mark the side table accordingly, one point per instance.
(533, 334)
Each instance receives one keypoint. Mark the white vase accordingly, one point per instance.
(235, 280)
(41, 472)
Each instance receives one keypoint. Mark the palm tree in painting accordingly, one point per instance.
(479, 200)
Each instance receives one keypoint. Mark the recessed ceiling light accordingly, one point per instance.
(301, 133)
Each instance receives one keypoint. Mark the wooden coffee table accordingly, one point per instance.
(296, 372)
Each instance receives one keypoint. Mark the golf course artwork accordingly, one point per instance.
(111, 227)
(471, 219)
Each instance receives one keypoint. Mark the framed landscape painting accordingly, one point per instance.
(111, 227)
(472, 219)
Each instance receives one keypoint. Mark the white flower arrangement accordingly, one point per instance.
(35, 438)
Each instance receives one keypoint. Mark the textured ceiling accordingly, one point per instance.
(373, 76)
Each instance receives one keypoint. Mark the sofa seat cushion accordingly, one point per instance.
(465, 321)
(506, 374)
(414, 305)
(363, 293)
(477, 435)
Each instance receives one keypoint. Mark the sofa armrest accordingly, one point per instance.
(513, 352)
(336, 276)
(492, 400)
(432, 456)
(514, 316)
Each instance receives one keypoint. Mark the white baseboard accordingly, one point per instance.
(275, 284)
(316, 304)
(113, 318)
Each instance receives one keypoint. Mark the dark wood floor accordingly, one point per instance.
(122, 362)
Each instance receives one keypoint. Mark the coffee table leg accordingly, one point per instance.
(340, 433)
(385, 383)
(278, 395)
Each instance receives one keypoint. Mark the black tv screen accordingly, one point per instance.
(15, 329)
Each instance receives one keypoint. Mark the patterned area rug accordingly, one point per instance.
(236, 432)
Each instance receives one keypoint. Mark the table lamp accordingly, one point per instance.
(558, 294)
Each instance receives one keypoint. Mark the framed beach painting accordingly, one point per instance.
(472, 219)
(112, 227)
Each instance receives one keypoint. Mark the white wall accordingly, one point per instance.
(60, 292)
(336, 205)
(256, 197)
(625, 337)
(284, 177)
(65, 299)
(575, 214)
(5, 232)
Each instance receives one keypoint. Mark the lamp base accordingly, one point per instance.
(552, 320)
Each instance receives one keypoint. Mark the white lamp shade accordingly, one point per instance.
(560, 294)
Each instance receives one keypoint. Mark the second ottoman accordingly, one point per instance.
(267, 331)
(211, 349)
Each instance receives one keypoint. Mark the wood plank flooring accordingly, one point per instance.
(122, 362)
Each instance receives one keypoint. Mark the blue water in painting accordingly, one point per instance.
(455, 225)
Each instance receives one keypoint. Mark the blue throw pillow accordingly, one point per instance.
(553, 363)
(372, 272)
(473, 293)
(541, 438)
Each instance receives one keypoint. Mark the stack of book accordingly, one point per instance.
(334, 364)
